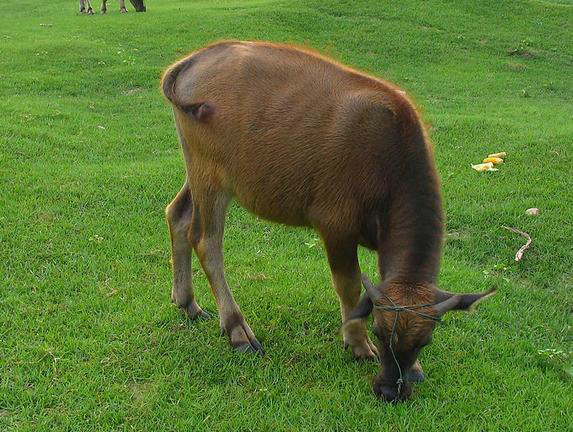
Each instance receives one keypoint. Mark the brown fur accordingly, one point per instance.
(411, 329)
(340, 124)
(299, 139)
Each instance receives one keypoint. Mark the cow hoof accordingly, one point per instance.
(194, 314)
(90, 11)
(192, 310)
(416, 374)
(241, 338)
(123, 10)
(250, 348)
(364, 351)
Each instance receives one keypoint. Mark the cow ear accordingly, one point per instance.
(362, 309)
(449, 301)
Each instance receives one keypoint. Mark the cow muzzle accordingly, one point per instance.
(391, 392)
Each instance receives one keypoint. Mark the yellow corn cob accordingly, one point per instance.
(484, 167)
(493, 160)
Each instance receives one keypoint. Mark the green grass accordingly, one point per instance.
(89, 158)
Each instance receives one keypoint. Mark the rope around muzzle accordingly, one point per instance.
(397, 309)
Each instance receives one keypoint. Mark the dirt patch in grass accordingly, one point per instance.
(515, 66)
(521, 52)
(132, 91)
(456, 235)
(140, 391)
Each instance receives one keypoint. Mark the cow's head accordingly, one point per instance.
(405, 315)
(138, 5)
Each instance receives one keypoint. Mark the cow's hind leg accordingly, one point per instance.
(103, 8)
(343, 260)
(122, 8)
(209, 209)
(179, 215)
(89, 9)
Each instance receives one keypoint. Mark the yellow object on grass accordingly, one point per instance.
(493, 160)
(488, 166)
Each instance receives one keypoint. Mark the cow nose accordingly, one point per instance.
(389, 393)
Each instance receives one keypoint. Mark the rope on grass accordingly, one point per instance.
(522, 249)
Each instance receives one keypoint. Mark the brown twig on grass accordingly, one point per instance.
(522, 249)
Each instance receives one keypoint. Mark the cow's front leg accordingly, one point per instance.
(343, 260)
(103, 8)
(122, 8)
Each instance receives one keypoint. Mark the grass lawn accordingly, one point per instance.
(89, 340)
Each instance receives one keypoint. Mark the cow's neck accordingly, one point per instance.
(411, 233)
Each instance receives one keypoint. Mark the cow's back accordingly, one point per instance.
(296, 137)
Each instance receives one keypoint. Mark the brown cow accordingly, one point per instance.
(299, 139)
